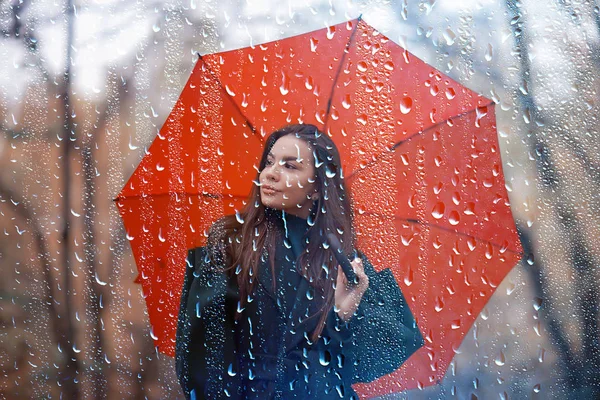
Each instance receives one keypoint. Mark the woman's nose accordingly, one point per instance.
(272, 173)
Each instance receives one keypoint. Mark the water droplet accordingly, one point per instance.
(454, 217)
(406, 105)
(406, 239)
(537, 303)
(412, 201)
(313, 45)
(284, 88)
(489, 52)
(455, 324)
(530, 259)
(537, 328)
(309, 83)
(510, 288)
(449, 36)
(238, 217)
(98, 281)
(346, 102)
(310, 294)
(524, 88)
(329, 172)
(485, 314)
(500, 360)
(537, 388)
(480, 112)
(541, 354)
(230, 371)
(330, 32)
(489, 251)
(429, 4)
(362, 66)
(131, 145)
(439, 304)
(438, 210)
(388, 65)
(470, 208)
(229, 91)
(471, 243)
(404, 158)
(324, 357)
(450, 289)
(409, 278)
(456, 198)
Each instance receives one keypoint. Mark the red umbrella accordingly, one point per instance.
(421, 158)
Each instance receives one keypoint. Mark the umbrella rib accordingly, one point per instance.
(248, 122)
(398, 144)
(339, 72)
(419, 222)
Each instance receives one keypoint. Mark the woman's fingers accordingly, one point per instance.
(359, 270)
(342, 279)
(357, 266)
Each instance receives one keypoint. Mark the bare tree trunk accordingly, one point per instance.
(57, 325)
(71, 369)
(93, 277)
(93, 281)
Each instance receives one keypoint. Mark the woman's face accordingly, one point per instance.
(287, 182)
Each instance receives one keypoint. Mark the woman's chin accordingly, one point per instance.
(271, 204)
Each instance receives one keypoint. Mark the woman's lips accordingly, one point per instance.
(269, 190)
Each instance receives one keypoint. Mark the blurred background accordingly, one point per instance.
(85, 86)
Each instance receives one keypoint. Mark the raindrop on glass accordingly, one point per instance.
(500, 360)
(438, 210)
(406, 105)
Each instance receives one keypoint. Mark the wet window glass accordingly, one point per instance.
(266, 199)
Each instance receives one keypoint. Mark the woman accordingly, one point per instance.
(266, 312)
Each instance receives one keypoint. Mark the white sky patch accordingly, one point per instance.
(109, 33)
(456, 5)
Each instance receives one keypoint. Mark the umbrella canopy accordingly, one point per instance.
(420, 156)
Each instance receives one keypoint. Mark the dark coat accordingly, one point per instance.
(267, 353)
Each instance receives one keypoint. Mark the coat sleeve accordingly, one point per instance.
(384, 330)
(205, 350)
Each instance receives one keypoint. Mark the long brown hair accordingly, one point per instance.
(244, 236)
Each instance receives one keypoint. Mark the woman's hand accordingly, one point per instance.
(347, 298)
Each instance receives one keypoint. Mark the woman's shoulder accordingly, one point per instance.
(220, 231)
(216, 232)
(219, 237)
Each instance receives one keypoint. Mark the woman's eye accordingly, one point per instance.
(269, 162)
(290, 166)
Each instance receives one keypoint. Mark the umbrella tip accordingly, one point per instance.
(359, 18)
